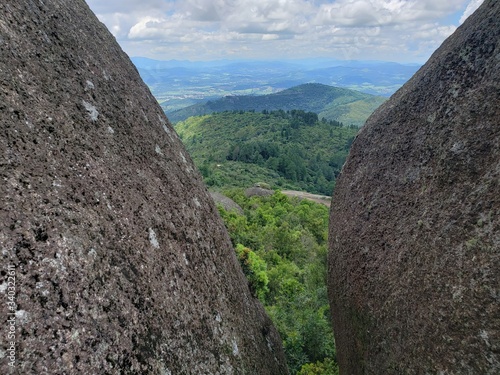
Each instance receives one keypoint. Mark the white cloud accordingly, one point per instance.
(364, 13)
(270, 36)
(148, 27)
(473, 5)
(210, 29)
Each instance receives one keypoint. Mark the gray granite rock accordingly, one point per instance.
(414, 262)
(122, 264)
(227, 203)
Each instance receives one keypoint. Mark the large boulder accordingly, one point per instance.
(414, 262)
(121, 262)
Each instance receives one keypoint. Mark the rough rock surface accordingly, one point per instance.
(257, 191)
(227, 203)
(122, 263)
(414, 268)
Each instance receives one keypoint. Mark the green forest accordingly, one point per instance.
(286, 149)
(281, 244)
(333, 103)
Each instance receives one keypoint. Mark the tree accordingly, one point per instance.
(281, 245)
(255, 269)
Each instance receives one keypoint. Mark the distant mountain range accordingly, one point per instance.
(333, 103)
(178, 84)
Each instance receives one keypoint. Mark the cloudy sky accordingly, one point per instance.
(391, 30)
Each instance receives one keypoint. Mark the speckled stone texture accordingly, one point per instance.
(414, 268)
(122, 263)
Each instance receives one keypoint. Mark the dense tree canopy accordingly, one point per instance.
(281, 245)
(333, 103)
(292, 149)
(280, 242)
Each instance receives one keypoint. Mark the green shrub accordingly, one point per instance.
(281, 245)
(255, 269)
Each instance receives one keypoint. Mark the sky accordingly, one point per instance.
(205, 30)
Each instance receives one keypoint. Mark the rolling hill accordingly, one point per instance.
(179, 84)
(347, 106)
(286, 149)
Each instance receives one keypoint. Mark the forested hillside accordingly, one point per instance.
(281, 245)
(279, 241)
(333, 103)
(179, 84)
(286, 149)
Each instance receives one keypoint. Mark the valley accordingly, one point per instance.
(342, 105)
(272, 217)
(178, 84)
(275, 126)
